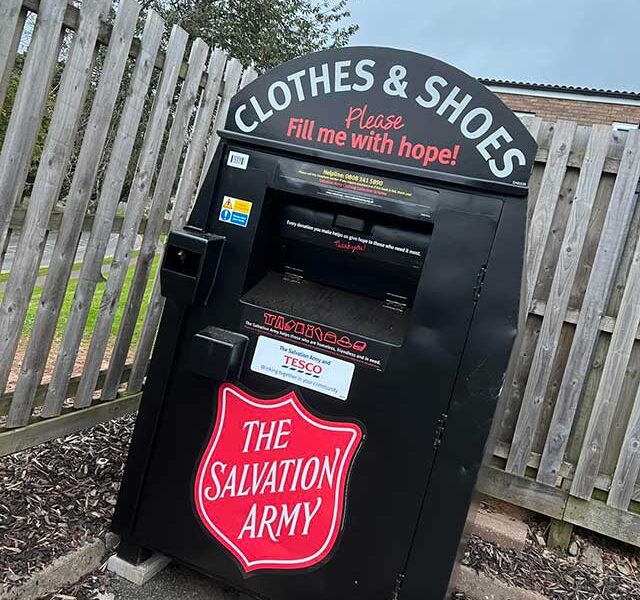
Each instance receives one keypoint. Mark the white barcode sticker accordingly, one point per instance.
(238, 160)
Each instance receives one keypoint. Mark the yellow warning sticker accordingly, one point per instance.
(235, 211)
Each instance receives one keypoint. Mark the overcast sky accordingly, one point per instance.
(593, 43)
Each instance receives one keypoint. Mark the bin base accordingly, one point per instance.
(140, 573)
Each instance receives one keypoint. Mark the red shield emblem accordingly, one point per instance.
(271, 484)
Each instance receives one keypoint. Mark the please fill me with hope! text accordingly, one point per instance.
(375, 132)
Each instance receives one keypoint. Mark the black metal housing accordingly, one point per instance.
(440, 325)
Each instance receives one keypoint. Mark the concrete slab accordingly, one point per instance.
(500, 525)
(477, 586)
(64, 570)
(173, 583)
(138, 574)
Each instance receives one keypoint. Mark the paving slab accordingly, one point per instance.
(175, 582)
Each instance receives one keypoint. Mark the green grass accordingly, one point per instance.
(95, 305)
(42, 271)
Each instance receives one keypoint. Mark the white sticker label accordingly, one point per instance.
(306, 368)
(238, 160)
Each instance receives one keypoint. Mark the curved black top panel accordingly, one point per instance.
(400, 110)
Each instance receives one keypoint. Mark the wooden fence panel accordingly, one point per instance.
(545, 205)
(610, 387)
(79, 195)
(28, 108)
(161, 196)
(135, 203)
(625, 477)
(559, 299)
(91, 272)
(184, 198)
(49, 178)
(41, 404)
(185, 195)
(614, 234)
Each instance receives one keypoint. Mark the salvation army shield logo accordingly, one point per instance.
(271, 484)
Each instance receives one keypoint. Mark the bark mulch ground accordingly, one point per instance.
(61, 494)
(559, 576)
(58, 495)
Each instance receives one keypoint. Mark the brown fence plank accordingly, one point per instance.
(610, 386)
(607, 259)
(142, 180)
(623, 485)
(545, 205)
(161, 196)
(231, 82)
(184, 198)
(12, 19)
(49, 178)
(29, 106)
(522, 492)
(561, 286)
(91, 271)
(41, 431)
(603, 519)
(79, 195)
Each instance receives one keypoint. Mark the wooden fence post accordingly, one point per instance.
(231, 81)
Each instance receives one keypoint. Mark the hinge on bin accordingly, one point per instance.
(477, 289)
(293, 275)
(440, 427)
(395, 302)
(397, 586)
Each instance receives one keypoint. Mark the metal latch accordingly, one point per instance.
(440, 427)
(395, 302)
(477, 289)
(396, 588)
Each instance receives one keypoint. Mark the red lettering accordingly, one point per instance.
(358, 116)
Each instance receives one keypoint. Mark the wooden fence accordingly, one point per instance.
(96, 117)
(568, 429)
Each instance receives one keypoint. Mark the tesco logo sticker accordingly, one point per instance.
(301, 366)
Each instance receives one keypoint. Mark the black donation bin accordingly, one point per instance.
(339, 315)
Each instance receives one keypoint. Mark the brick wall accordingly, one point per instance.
(585, 113)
